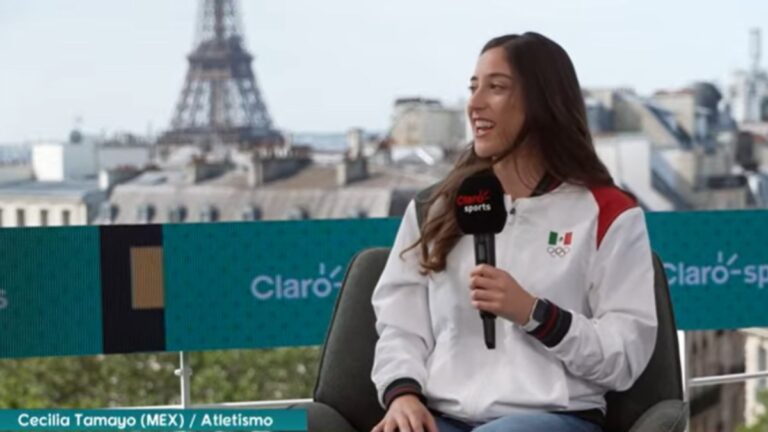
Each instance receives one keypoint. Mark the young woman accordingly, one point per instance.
(573, 282)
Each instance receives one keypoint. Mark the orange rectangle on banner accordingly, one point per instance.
(147, 278)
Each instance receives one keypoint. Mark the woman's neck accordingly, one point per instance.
(519, 174)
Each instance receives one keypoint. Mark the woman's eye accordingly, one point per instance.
(472, 88)
(496, 87)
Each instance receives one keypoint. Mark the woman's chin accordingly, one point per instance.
(484, 151)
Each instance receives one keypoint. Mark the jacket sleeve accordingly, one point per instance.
(402, 317)
(613, 347)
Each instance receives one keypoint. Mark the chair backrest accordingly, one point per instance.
(344, 377)
(344, 381)
(662, 378)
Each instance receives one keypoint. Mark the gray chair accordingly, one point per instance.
(345, 398)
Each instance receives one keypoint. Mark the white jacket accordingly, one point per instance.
(602, 274)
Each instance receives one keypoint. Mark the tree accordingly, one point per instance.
(762, 422)
(147, 379)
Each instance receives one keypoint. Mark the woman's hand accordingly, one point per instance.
(406, 414)
(496, 291)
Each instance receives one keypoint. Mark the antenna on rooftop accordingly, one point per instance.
(755, 48)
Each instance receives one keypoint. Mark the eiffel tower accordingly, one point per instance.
(220, 102)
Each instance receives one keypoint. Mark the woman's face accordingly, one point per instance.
(495, 108)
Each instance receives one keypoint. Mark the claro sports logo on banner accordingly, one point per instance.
(722, 272)
(279, 287)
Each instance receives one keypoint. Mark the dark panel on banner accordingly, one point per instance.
(132, 288)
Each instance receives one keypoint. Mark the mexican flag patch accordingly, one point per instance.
(560, 239)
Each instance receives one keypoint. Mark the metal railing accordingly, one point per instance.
(725, 379)
(184, 372)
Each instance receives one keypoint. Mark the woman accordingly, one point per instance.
(573, 286)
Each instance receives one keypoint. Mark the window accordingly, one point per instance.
(209, 214)
(177, 214)
(297, 213)
(764, 109)
(20, 218)
(109, 212)
(145, 213)
(357, 213)
(252, 213)
(43, 217)
(66, 218)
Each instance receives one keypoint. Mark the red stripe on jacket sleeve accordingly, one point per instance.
(611, 203)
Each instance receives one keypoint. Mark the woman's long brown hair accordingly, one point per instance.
(555, 125)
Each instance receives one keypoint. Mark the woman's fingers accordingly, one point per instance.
(415, 422)
(487, 306)
(406, 414)
(480, 282)
(430, 423)
(485, 295)
(403, 423)
(484, 270)
(390, 424)
(379, 427)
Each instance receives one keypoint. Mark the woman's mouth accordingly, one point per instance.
(482, 127)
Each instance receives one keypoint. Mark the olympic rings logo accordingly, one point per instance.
(558, 251)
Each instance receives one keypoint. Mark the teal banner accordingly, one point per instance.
(716, 266)
(153, 419)
(263, 284)
(182, 287)
(50, 295)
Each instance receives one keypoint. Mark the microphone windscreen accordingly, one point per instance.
(479, 204)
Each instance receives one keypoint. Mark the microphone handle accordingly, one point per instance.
(485, 249)
(485, 253)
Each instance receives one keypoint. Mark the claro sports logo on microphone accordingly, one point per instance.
(475, 203)
(279, 287)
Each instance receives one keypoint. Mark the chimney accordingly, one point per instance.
(351, 170)
(266, 167)
(108, 179)
(255, 171)
(199, 169)
(354, 167)
(355, 143)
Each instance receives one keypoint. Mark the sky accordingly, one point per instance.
(325, 66)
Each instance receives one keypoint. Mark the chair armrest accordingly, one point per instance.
(323, 418)
(665, 416)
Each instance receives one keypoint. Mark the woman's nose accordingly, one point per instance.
(476, 102)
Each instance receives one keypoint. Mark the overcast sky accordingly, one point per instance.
(334, 64)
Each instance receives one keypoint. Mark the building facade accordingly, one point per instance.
(41, 204)
(426, 122)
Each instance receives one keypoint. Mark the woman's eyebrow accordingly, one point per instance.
(495, 75)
